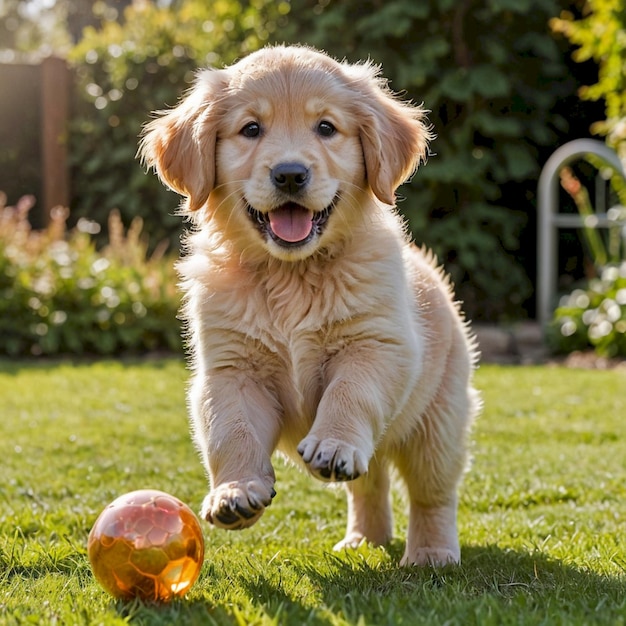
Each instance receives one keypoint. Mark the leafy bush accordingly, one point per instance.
(492, 73)
(502, 96)
(126, 70)
(593, 316)
(599, 35)
(58, 294)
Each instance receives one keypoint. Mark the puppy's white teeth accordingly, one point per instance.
(257, 216)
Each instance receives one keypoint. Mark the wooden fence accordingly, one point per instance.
(34, 116)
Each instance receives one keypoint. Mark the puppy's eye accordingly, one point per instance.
(325, 129)
(251, 130)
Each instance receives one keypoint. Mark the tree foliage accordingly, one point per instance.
(498, 81)
(594, 314)
(30, 27)
(127, 68)
(600, 35)
(494, 78)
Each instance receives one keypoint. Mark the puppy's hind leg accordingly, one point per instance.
(432, 464)
(369, 508)
(432, 535)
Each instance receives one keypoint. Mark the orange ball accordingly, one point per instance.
(146, 544)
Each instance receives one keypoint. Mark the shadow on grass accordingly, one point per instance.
(490, 579)
(505, 586)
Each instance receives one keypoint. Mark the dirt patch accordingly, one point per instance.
(523, 344)
(588, 360)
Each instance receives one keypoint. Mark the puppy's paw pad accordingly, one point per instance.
(434, 557)
(332, 459)
(237, 505)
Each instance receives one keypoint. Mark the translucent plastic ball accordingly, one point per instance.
(146, 544)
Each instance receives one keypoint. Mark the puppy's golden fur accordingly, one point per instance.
(315, 326)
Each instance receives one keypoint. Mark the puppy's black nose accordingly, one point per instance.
(290, 177)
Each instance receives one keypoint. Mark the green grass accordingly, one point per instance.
(542, 513)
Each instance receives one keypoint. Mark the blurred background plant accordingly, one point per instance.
(502, 95)
(594, 313)
(59, 294)
(143, 62)
(599, 34)
(497, 76)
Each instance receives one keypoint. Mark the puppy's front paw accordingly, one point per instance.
(237, 505)
(332, 459)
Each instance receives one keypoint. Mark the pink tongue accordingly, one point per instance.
(291, 222)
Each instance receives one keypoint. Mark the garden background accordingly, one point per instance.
(541, 513)
(506, 81)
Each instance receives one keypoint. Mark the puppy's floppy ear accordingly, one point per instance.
(394, 135)
(180, 143)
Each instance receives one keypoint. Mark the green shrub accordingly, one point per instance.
(593, 316)
(60, 295)
(493, 74)
(126, 70)
(599, 36)
(502, 97)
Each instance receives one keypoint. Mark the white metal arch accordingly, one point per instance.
(549, 220)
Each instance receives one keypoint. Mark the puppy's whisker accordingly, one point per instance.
(350, 200)
(226, 204)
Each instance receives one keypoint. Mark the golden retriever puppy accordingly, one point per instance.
(315, 326)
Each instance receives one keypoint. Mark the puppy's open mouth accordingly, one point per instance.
(291, 224)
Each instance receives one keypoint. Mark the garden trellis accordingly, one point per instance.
(550, 220)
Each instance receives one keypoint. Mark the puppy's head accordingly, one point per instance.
(284, 150)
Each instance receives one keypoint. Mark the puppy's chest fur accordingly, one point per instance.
(293, 308)
(286, 322)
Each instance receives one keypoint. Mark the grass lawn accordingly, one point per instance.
(542, 512)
